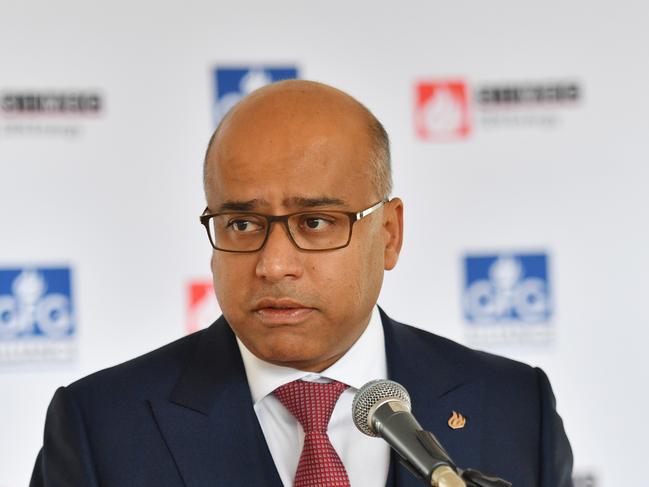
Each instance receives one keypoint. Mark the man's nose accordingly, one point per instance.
(279, 258)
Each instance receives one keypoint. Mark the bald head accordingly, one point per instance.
(312, 156)
(295, 105)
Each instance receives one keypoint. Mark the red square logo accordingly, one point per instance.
(442, 110)
(202, 306)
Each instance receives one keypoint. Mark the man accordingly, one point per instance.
(297, 179)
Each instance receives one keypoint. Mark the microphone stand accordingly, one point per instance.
(472, 478)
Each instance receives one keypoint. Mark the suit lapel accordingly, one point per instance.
(437, 385)
(210, 427)
(208, 422)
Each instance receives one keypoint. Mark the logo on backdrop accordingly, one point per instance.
(202, 306)
(442, 110)
(507, 298)
(47, 113)
(231, 84)
(36, 315)
(585, 480)
(51, 103)
(453, 110)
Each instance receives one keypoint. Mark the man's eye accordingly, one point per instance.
(243, 226)
(317, 223)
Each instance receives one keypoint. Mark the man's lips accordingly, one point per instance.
(282, 311)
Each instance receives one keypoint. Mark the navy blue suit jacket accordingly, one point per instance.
(183, 415)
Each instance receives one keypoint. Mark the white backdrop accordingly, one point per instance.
(114, 195)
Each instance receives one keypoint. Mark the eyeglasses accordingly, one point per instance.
(308, 230)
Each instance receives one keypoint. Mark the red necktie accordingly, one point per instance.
(312, 404)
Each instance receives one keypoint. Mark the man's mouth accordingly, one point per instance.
(282, 311)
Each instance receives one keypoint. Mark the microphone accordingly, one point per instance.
(382, 408)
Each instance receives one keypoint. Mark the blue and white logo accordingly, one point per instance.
(36, 314)
(35, 302)
(507, 288)
(233, 83)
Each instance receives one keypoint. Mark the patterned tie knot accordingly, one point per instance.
(311, 403)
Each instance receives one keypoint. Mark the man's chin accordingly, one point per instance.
(296, 355)
(287, 356)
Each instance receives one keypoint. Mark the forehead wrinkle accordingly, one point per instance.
(292, 202)
(307, 202)
(247, 205)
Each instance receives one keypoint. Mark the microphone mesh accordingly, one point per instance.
(370, 394)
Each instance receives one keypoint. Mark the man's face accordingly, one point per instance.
(283, 155)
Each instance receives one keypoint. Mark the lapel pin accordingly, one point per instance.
(456, 421)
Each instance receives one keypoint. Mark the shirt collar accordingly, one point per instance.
(353, 368)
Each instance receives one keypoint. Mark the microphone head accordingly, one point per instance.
(371, 394)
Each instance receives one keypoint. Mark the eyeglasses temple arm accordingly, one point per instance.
(370, 210)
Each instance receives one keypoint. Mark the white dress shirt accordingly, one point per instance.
(366, 459)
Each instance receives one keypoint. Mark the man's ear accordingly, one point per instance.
(392, 231)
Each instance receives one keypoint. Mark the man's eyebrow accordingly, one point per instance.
(302, 202)
(294, 202)
(242, 205)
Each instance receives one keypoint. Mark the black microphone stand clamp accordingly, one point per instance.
(472, 478)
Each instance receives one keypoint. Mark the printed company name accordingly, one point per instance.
(537, 94)
(50, 103)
